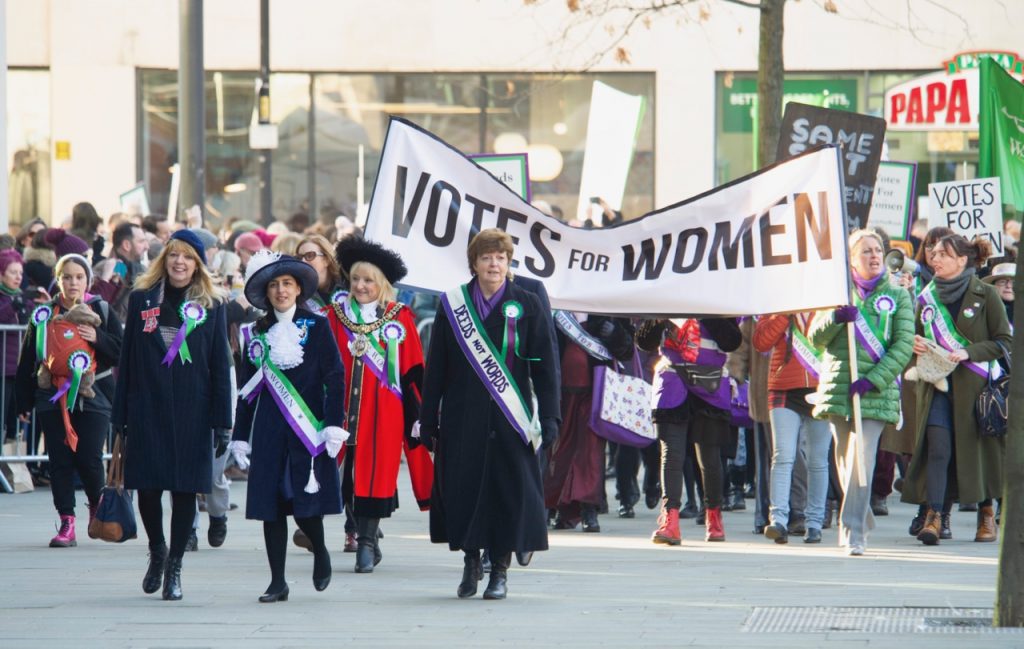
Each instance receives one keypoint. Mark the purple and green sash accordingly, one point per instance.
(381, 361)
(806, 354)
(873, 337)
(570, 326)
(940, 327)
(489, 365)
(291, 404)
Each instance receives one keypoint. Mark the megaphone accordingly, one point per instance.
(897, 262)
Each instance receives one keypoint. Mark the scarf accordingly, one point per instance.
(952, 291)
(10, 291)
(865, 286)
(484, 305)
(685, 339)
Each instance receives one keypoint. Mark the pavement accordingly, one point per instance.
(611, 589)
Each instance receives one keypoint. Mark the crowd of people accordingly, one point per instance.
(290, 356)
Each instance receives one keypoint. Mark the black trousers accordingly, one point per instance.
(672, 437)
(92, 429)
(627, 467)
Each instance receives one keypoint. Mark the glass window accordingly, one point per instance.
(28, 143)
(341, 138)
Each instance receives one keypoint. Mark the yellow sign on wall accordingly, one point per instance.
(62, 150)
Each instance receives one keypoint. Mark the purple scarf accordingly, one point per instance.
(865, 286)
(484, 305)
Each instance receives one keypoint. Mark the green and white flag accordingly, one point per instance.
(1001, 121)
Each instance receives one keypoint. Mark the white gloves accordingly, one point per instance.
(415, 429)
(240, 451)
(334, 438)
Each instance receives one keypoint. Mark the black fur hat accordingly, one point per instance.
(352, 249)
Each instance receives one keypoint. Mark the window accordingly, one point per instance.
(28, 144)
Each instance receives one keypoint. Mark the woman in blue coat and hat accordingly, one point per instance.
(173, 399)
(291, 406)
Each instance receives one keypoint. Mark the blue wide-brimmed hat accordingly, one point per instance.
(265, 265)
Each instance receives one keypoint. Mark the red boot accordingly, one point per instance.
(713, 525)
(668, 528)
(66, 534)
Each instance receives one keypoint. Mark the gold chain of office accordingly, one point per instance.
(364, 329)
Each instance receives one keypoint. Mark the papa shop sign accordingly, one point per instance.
(947, 100)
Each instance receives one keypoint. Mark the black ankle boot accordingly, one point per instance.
(155, 572)
(367, 543)
(172, 579)
(472, 573)
(321, 570)
(497, 586)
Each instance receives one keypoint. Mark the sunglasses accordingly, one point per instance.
(311, 255)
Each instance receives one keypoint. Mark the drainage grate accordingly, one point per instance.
(854, 619)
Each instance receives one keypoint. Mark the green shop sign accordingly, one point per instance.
(739, 101)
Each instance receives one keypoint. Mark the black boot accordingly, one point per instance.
(367, 543)
(218, 531)
(485, 562)
(590, 524)
(322, 569)
(472, 573)
(497, 586)
(155, 572)
(172, 579)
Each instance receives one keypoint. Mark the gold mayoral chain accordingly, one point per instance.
(360, 343)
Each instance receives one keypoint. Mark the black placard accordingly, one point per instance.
(861, 138)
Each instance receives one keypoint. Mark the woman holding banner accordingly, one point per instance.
(291, 404)
(383, 359)
(866, 386)
(792, 377)
(693, 401)
(490, 402)
(966, 317)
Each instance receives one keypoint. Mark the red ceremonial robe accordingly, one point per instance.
(380, 422)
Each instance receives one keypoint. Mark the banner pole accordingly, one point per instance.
(858, 427)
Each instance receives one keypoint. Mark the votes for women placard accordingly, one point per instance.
(772, 241)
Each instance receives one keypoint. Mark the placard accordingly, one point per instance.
(892, 203)
(969, 207)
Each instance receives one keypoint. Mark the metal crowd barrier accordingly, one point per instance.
(33, 436)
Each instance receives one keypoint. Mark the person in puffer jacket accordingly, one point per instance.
(883, 318)
(692, 398)
(792, 377)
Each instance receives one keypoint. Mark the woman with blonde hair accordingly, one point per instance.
(882, 318)
(174, 397)
(383, 359)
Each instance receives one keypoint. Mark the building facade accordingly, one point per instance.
(92, 93)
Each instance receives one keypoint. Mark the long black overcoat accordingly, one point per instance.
(170, 412)
(487, 484)
(280, 462)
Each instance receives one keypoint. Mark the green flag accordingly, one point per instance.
(1001, 131)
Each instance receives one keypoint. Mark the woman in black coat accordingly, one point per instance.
(75, 426)
(290, 472)
(173, 397)
(487, 484)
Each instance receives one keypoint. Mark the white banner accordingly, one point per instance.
(773, 241)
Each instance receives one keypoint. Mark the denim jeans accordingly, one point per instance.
(790, 431)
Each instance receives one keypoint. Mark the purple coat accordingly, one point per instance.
(669, 389)
(12, 312)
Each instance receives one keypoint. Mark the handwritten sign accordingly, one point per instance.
(892, 204)
(969, 207)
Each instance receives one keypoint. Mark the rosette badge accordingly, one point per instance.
(192, 315)
(40, 316)
(393, 334)
(257, 351)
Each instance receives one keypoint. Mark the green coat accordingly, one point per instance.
(979, 461)
(882, 403)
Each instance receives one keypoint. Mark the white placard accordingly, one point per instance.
(892, 202)
(611, 137)
(969, 207)
(772, 241)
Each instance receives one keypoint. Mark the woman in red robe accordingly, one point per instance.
(383, 360)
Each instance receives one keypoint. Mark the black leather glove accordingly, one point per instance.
(548, 432)
(221, 439)
(428, 437)
(124, 432)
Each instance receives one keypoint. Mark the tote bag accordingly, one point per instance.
(621, 408)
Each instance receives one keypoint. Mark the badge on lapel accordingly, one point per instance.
(149, 317)
(304, 325)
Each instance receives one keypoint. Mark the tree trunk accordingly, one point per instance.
(770, 73)
(1009, 610)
